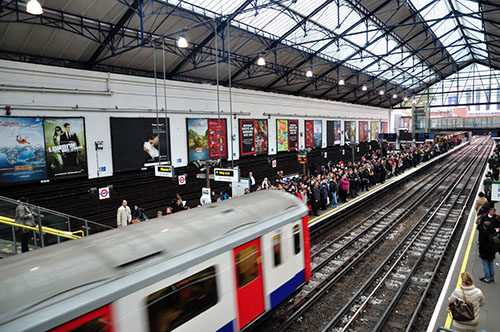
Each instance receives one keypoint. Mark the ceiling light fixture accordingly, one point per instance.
(394, 96)
(341, 82)
(381, 92)
(261, 61)
(309, 73)
(33, 7)
(364, 88)
(182, 42)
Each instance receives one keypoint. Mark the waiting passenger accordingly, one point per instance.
(24, 216)
(123, 215)
(480, 202)
(138, 215)
(159, 213)
(474, 296)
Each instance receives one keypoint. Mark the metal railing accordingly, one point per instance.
(52, 227)
(485, 122)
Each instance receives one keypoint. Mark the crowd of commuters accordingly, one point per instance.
(332, 184)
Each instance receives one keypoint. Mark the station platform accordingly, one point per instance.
(467, 259)
(363, 195)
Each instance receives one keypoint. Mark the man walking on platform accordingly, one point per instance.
(123, 215)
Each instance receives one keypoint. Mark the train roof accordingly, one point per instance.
(162, 246)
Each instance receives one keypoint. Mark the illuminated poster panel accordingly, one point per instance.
(350, 131)
(22, 151)
(253, 137)
(317, 134)
(282, 135)
(65, 146)
(204, 139)
(364, 131)
(309, 133)
(138, 142)
(374, 130)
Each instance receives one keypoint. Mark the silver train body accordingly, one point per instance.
(214, 268)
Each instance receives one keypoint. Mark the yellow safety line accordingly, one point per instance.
(464, 265)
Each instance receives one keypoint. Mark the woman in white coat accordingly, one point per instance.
(474, 296)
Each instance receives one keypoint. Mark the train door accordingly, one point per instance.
(249, 282)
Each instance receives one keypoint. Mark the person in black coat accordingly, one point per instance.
(486, 253)
(316, 198)
(324, 194)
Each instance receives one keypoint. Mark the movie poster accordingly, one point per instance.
(261, 136)
(350, 132)
(253, 137)
(385, 127)
(364, 131)
(374, 130)
(330, 134)
(317, 134)
(204, 141)
(22, 151)
(282, 134)
(138, 142)
(336, 132)
(65, 146)
(309, 133)
(293, 134)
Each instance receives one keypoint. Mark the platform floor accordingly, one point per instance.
(467, 259)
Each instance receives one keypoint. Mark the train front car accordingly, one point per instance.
(215, 268)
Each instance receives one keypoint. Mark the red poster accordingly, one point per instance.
(364, 131)
(217, 138)
(309, 133)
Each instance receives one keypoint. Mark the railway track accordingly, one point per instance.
(356, 268)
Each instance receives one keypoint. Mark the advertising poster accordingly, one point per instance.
(282, 134)
(336, 132)
(385, 127)
(260, 130)
(138, 142)
(309, 133)
(373, 130)
(204, 141)
(217, 141)
(330, 133)
(364, 131)
(350, 131)
(65, 146)
(317, 134)
(253, 136)
(293, 134)
(22, 151)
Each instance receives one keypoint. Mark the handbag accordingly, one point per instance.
(461, 310)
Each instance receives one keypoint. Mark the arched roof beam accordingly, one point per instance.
(283, 37)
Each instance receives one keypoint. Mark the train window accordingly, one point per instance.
(277, 249)
(176, 304)
(296, 238)
(247, 267)
(97, 320)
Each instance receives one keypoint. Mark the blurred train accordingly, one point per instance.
(215, 268)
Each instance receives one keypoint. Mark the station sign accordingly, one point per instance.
(226, 175)
(104, 193)
(164, 171)
(302, 158)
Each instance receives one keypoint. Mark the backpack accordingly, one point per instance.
(494, 243)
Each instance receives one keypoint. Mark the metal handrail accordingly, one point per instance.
(56, 213)
(45, 229)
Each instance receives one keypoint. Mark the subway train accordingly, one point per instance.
(214, 268)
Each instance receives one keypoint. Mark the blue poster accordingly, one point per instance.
(198, 139)
(22, 149)
(317, 134)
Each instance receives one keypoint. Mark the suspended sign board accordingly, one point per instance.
(164, 171)
(226, 175)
